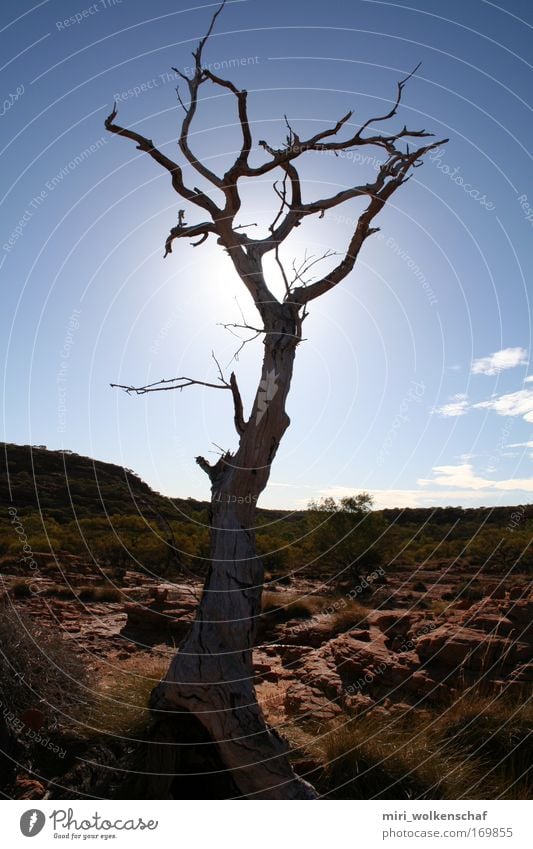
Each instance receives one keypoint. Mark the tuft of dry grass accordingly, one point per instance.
(353, 615)
(285, 606)
(119, 706)
(23, 588)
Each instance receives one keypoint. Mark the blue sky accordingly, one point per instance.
(413, 379)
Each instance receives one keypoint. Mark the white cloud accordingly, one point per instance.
(463, 477)
(456, 406)
(500, 360)
(529, 379)
(513, 404)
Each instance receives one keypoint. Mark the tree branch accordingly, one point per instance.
(242, 108)
(185, 231)
(180, 383)
(240, 424)
(195, 196)
(194, 84)
(206, 467)
(166, 385)
(295, 147)
(397, 168)
(401, 85)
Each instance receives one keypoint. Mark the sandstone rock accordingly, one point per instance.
(492, 623)
(354, 657)
(519, 592)
(265, 671)
(420, 685)
(392, 622)
(498, 591)
(291, 655)
(29, 788)
(521, 615)
(310, 703)
(159, 616)
(459, 646)
(358, 703)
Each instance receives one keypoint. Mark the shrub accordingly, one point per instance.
(37, 667)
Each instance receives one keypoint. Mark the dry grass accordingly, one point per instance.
(341, 614)
(478, 748)
(38, 669)
(23, 588)
(352, 616)
(120, 703)
(285, 606)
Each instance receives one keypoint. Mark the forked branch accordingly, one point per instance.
(168, 384)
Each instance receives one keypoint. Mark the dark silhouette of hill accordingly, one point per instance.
(65, 485)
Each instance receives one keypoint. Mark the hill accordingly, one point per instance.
(65, 484)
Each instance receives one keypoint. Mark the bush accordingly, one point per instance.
(347, 534)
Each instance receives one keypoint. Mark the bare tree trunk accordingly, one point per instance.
(211, 677)
(212, 674)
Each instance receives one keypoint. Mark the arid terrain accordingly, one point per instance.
(407, 681)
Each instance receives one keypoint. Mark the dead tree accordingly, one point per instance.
(212, 675)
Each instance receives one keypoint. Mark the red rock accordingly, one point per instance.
(358, 703)
(309, 703)
(459, 646)
(392, 622)
(355, 657)
(493, 623)
(29, 788)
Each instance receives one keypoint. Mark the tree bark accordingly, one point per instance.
(212, 675)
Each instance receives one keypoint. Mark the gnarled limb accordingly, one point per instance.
(188, 231)
(145, 144)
